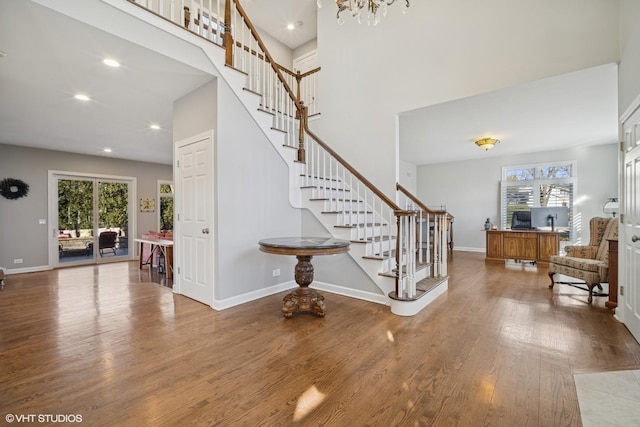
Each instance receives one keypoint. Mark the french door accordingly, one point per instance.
(89, 217)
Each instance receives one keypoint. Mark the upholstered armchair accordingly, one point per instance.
(588, 262)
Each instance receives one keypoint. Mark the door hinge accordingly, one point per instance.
(622, 291)
(621, 218)
(178, 270)
(177, 217)
(177, 163)
(622, 146)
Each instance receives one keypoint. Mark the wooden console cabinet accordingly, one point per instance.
(528, 245)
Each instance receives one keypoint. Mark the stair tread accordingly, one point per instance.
(339, 212)
(422, 288)
(368, 224)
(246, 89)
(324, 188)
(419, 266)
(319, 177)
(328, 199)
(264, 110)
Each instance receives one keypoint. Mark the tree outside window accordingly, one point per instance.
(548, 185)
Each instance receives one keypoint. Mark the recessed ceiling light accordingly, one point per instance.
(291, 26)
(154, 126)
(111, 62)
(107, 150)
(82, 97)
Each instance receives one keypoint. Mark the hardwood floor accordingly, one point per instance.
(498, 349)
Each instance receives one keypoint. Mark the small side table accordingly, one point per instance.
(304, 248)
(613, 275)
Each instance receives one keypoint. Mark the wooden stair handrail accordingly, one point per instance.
(255, 34)
(350, 168)
(417, 201)
(299, 75)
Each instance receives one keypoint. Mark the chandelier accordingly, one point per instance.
(373, 9)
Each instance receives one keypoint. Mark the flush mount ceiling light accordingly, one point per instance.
(293, 25)
(111, 62)
(107, 150)
(487, 143)
(375, 9)
(82, 97)
(154, 126)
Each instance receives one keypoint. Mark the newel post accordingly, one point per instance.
(398, 245)
(298, 78)
(228, 37)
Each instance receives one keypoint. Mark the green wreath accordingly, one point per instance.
(12, 189)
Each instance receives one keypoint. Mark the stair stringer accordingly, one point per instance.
(358, 250)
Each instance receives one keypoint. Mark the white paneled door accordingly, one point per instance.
(194, 218)
(630, 224)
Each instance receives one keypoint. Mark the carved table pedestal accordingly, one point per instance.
(304, 298)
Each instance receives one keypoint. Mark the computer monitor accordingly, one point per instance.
(548, 218)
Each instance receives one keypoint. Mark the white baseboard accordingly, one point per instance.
(252, 296)
(465, 249)
(327, 287)
(353, 293)
(10, 271)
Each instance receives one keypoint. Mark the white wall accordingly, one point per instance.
(408, 176)
(471, 189)
(444, 50)
(280, 53)
(305, 48)
(629, 69)
(252, 202)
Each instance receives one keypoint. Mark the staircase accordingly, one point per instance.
(388, 242)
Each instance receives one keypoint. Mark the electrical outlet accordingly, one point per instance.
(17, 261)
(276, 272)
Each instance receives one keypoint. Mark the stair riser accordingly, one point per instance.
(321, 182)
(363, 233)
(328, 193)
(339, 205)
(354, 218)
(379, 248)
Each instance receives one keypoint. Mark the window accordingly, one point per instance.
(165, 213)
(544, 185)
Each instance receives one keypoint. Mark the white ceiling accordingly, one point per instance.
(576, 109)
(54, 56)
(273, 17)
